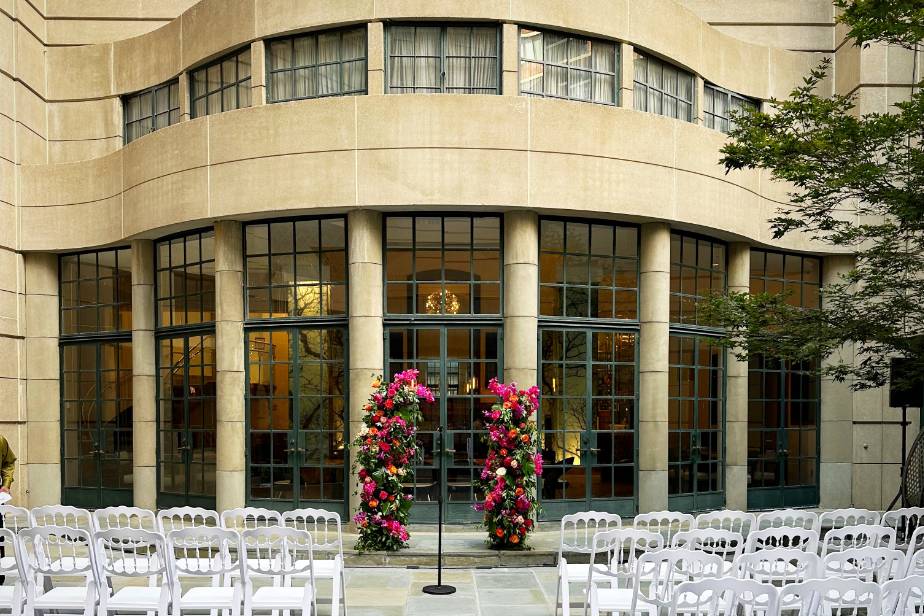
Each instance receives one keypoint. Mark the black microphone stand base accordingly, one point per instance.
(438, 589)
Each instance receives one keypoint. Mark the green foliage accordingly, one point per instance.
(899, 22)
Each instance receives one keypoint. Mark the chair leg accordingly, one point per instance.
(557, 594)
(335, 596)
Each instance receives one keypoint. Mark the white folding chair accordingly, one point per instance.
(111, 518)
(870, 564)
(862, 535)
(210, 553)
(788, 518)
(576, 537)
(133, 553)
(729, 596)
(63, 515)
(782, 537)
(244, 518)
(14, 519)
(12, 595)
(905, 521)
(55, 554)
(726, 544)
(736, 521)
(278, 553)
(832, 596)
(851, 516)
(663, 570)
(177, 518)
(612, 570)
(779, 566)
(903, 597)
(325, 529)
(668, 523)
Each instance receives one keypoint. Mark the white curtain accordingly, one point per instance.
(641, 78)
(280, 57)
(604, 64)
(484, 58)
(458, 59)
(306, 58)
(427, 60)
(353, 56)
(328, 60)
(400, 59)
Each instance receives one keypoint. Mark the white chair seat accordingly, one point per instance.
(323, 569)
(209, 597)
(7, 594)
(576, 572)
(64, 597)
(620, 600)
(135, 598)
(280, 598)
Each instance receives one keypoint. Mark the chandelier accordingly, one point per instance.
(442, 299)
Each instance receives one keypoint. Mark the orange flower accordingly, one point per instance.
(376, 383)
(512, 398)
(393, 469)
(513, 433)
(373, 430)
(373, 503)
(514, 539)
(506, 405)
(503, 452)
(525, 438)
(519, 491)
(499, 532)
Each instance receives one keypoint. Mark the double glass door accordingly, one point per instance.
(456, 362)
(296, 448)
(588, 421)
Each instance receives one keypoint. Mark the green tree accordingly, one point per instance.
(857, 185)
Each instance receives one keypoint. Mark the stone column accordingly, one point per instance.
(184, 97)
(42, 455)
(229, 352)
(521, 300)
(698, 98)
(510, 58)
(257, 74)
(736, 392)
(375, 45)
(626, 75)
(836, 479)
(654, 338)
(144, 376)
(366, 333)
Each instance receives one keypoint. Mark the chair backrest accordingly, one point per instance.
(663, 570)
(110, 518)
(725, 596)
(903, 596)
(277, 551)
(9, 542)
(60, 551)
(245, 518)
(788, 518)
(131, 553)
(177, 518)
(840, 596)
(728, 519)
(905, 521)
(205, 551)
(62, 515)
(727, 544)
(851, 516)
(782, 537)
(578, 530)
(668, 523)
(323, 525)
(615, 553)
(779, 566)
(15, 518)
(862, 535)
(869, 564)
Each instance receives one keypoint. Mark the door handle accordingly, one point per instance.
(184, 448)
(449, 451)
(592, 449)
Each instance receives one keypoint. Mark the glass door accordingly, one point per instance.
(186, 420)
(456, 362)
(588, 421)
(295, 418)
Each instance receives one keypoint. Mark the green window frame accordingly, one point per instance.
(151, 110)
(317, 65)
(798, 276)
(184, 284)
(720, 106)
(566, 66)
(588, 269)
(96, 292)
(663, 88)
(222, 85)
(698, 269)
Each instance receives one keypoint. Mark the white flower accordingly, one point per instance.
(513, 464)
(501, 471)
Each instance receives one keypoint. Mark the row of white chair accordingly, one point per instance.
(50, 559)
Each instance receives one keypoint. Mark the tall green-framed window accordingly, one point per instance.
(184, 293)
(221, 85)
(662, 88)
(316, 65)
(784, 397)
(696, 423)
(151, 109)
(454, 59)
(96, 378)
(698, 269)
(560, 65)
(295, 334)
(721, 105)
(442, 265)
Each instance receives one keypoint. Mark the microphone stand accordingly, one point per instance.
(439, 588)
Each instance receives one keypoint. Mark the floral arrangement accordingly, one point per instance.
(383, 453)
(509, 477)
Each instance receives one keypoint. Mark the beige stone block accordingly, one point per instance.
(525, 377)
(365, 241)
(32, 148)
(654, 297)
(294, 182)
(796, 37)
(442, 9)
(258, 65)
(510, 49)
(143, 353)
(276, 16)
(74, 151)
(230, 402)
(838, 441)
(837, 403)
(144, 402)
(79, 72)
(891, 483)
(229, 289)
(867, 443)
(7, 87)
(766, 11)
(892, 440)
(77, 183)
(7, 44)
(788, 68)
(7, 198)
(72, 226)
(231, 448)
(78, 120)
(181, 147)
(653, 397)
(29, 16)
(652, 491)
(143, 61)
(44, 486)
(30, 111)
(520, 336)
(847, 76)
(520, 284)
(607, 19)
(866, 476)
(9, 268)
(230, 490)
(10, 358)
(10, 324)
(521, 237)
(30, 59)
(708, 202)
(367, 353)
(736, 443)
(172, 199)
(360, 390)
(376, 82)
(144, 487)
(41, 272)
(229, 346)
(653, 340)
(835, 484)
(229, 252)
(13, 391)
(43, 400)
(143, 307)
(736, 488)
(45, 436)
(97, 31)
(7, 140)
(366, 299)
(510, 83)
(375, 48)
(211, 27)
(422, 120)
(162, 9)
(42, 358)
(42, 316)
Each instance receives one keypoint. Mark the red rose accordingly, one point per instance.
(389, 404)
(383, 495)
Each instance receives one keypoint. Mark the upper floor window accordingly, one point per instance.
(567, 66)
(588, 270)
(151, 109)
(185, 283)
(797, 276)
(96, 292)
(663, 88)
(316, 65)
(451, 59)
(698, 269)
(720, 105)
(222, 85)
